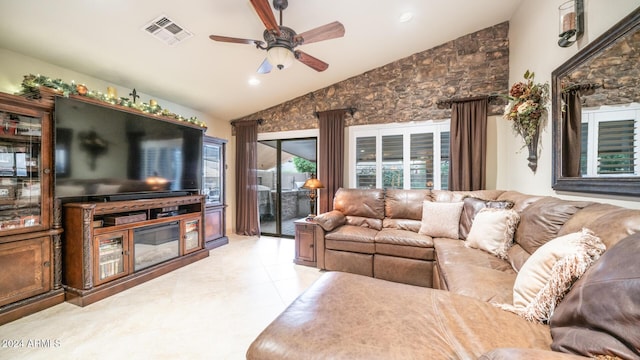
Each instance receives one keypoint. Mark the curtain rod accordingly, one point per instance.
(449, 102)
(351, 110)
(581, 87)
(236, 122)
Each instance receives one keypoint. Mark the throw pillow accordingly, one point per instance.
(601, 313)
(472, 206)
(492, 231)
(550, 271)
(440, 219)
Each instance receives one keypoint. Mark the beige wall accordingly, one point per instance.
(15, 66)
(533, 39)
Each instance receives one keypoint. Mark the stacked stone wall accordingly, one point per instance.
(408, 89)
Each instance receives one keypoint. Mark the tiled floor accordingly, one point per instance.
(211, 309)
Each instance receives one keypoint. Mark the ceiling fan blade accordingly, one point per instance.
(325, 32)
(235, 40)
(265, 13)
(265, 67)
(310, 61)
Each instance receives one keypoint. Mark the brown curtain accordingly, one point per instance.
(247, 218)
(468, 150)
(571, 134)
(331, 169)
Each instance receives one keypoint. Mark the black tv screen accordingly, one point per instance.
(101, 151)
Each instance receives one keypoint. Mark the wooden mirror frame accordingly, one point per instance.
(627, 186)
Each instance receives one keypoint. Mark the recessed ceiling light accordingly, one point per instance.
(254, 81)
(405, 17)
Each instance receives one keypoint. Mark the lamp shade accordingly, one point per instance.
(312, 184)
(280, 57)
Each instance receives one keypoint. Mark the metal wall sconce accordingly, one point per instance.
(571, 22)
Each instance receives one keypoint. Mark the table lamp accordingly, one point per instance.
(312, 184)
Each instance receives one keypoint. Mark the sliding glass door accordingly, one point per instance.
(283, 167)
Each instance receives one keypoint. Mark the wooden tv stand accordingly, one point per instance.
(109, 247)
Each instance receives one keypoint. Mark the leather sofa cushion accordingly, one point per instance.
(479, 282)
(402, 224)
(609, 222)
(403, 237)
(368, 203)
(351, 238)
(520, 201)
(366, 222)
(446, 196)
(541, 221)
(405, 244)
(456, 196)
(601, 313)
(405, 204)
(451, 251)
(333, 320)
(473, 272)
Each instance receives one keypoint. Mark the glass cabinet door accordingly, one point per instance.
(111, 256)
(191, 235)
(212, 184)
(20, 165)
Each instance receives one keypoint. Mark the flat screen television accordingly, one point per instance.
(113, 154)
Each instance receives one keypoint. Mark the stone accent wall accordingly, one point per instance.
(408, 89)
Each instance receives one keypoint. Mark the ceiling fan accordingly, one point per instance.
(281, 41)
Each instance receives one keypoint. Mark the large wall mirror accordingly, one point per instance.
(596, 115)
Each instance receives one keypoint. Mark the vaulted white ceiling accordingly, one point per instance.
(105, 39)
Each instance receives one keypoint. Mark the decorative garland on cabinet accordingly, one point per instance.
(32, 83)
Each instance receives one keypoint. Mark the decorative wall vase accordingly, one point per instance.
(533, 152)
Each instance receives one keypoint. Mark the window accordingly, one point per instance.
(421, 160)
(392, 161)
(400, 157)
(366, 162)
(610, 142)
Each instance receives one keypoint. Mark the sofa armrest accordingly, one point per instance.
(330, 220)
(527, 354)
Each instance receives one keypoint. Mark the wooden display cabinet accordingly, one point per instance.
(30, 242)
(214, 191)
(137, 244)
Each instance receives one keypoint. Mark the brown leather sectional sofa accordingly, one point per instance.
(451, 313)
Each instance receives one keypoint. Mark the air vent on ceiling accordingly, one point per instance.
(165, 30)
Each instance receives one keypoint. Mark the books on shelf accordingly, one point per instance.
(111, 268)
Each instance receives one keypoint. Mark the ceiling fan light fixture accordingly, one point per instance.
(280, 57)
